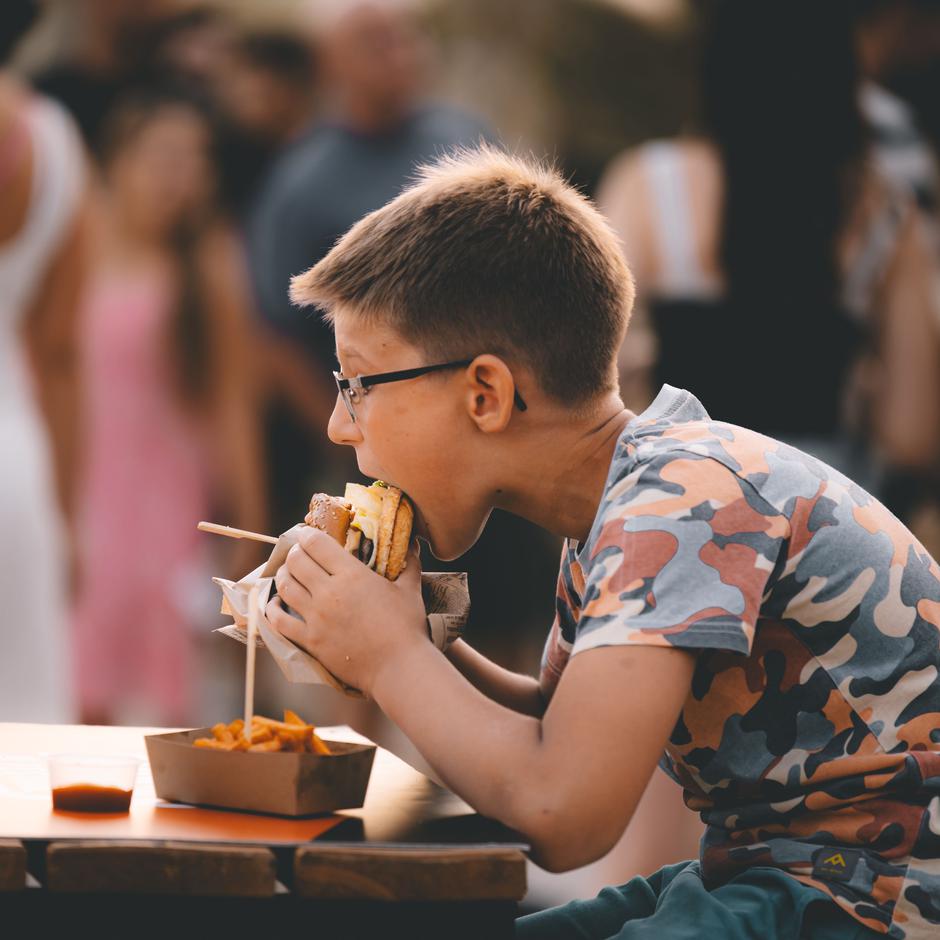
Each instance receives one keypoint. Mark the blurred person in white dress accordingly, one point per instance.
(42, 217)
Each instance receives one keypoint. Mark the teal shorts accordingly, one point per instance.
(759, 904)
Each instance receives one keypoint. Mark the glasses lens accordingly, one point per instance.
(348, 400)
(347, 395)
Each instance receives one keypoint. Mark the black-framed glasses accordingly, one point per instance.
(352, 389)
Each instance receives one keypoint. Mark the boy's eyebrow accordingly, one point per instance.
(348, 353)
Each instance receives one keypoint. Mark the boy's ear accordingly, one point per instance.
(490, 388)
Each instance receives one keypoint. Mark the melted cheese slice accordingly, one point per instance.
(367, 508)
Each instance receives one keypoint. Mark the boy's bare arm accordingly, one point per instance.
(569, 782)
(515, 691)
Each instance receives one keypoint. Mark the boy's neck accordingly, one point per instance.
(558, 472)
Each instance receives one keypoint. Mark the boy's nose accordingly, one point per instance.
(342, 429)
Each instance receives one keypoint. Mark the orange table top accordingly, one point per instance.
(26, 805)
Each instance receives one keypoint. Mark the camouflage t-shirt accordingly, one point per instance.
(810, 740)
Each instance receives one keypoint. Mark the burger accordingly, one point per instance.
(372, 522)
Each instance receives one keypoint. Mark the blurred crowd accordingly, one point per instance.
(166, 171)
(166, 165)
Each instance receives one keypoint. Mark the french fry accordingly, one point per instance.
(293, 734)
(292, 718)
(211, 743)
(315, 744)
(273, 723)
(260, 734)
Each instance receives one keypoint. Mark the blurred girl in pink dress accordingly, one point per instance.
(171, 432)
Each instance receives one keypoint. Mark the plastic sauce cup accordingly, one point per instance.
(89, 784)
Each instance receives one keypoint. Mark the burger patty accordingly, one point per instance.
(365, 550)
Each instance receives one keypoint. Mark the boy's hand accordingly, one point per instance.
(354, 620)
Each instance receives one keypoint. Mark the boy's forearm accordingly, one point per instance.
(556, 780)
(483, 750)
(515, 691)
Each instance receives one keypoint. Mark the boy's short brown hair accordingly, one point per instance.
(488, 253)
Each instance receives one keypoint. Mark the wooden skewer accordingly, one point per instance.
(250, 658)
(235, 533)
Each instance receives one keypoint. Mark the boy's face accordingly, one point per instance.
(415, 434)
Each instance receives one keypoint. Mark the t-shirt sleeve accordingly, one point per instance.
(564, 627)
(680, 555)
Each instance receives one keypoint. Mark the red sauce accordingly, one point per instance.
(85, 798)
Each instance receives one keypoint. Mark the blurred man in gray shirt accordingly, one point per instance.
(374, 131)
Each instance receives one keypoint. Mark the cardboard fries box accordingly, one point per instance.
(279, 782)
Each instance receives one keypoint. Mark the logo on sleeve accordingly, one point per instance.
(835, 864)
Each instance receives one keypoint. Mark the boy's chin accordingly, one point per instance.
(442, 550)
(444, 553)
(452, 545)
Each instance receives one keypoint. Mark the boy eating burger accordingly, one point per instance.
(726, 604)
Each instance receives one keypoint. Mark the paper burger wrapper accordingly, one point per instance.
(447, 602)
(445, 594)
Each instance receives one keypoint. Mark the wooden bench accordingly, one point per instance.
(12, 865)
(409, 873)
(168, 868)
(338, 890)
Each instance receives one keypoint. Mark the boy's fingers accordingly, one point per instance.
(325, 550)
(302, 567)
(282, 621)
(288, 587)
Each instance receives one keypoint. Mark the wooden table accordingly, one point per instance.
(450, 872)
